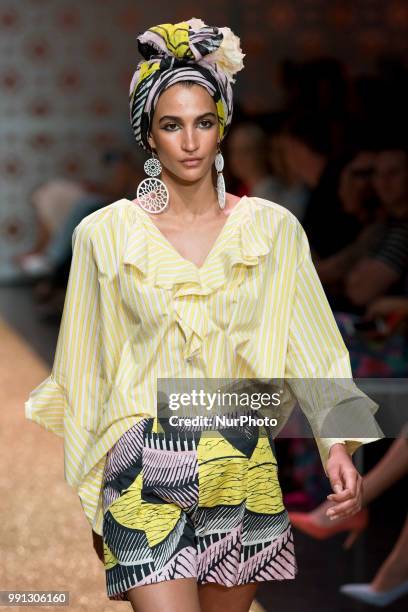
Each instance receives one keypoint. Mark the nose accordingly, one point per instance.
(190, 140)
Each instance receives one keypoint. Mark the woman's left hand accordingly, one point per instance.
(346, 483)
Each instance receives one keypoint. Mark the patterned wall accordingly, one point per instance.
(65, 69)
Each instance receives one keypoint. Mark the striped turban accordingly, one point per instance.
(189, 50)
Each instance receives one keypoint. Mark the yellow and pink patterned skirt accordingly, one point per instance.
(195, 506)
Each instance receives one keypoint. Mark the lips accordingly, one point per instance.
(192, 161)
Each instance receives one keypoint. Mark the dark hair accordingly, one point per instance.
(389, 142)
(187, 83)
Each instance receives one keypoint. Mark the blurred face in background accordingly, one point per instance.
(247, 152)
(356, 186)
(277, 159)
(391, 180)
(296, 157)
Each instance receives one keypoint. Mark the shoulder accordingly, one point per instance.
(104, 227)
(104, 231)
(104, 217)
(281, 227)
(269, 205)
(267, 211)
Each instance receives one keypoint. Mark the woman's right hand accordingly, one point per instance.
(98, 545)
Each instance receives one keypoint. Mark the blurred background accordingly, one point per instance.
(319, 127)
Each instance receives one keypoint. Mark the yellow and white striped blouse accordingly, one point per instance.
(136, 310)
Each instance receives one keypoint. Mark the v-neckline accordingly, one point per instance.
(173, 248)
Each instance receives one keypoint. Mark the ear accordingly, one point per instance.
(151, 142)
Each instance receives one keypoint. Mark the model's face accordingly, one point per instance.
(185, 125)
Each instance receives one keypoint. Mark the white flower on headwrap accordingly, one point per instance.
(195, 23)
(229, 54)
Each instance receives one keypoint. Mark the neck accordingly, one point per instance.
(191, 200)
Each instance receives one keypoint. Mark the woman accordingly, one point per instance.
(187, 281)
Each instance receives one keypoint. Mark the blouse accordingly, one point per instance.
(135, 309)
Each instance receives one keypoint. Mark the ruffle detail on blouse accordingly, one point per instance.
(243, 245)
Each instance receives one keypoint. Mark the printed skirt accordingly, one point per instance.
(208, 507)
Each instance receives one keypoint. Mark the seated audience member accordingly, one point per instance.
(53, 201)
(247, 159)
(52, 271)
(377, 340)
(383, 270)
(357, 197)
(307, 145)
(67, 202)
(284, 188)
(248, 162)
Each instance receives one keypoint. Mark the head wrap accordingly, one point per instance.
(189, 50)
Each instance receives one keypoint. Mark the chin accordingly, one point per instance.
(192, 173)
(188, 177)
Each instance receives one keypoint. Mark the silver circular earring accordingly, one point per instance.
(152, 193)
(219, 165)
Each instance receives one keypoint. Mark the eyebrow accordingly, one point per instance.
(181, 119)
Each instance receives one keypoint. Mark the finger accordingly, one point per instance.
(353, 510)
(350, 504)
(338, 497)
(345, 514)
(336, 481)
(350, 476)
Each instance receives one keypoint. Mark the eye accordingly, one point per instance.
(168, 125)
(209, 123)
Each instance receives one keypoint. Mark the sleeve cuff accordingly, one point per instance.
(324, 445)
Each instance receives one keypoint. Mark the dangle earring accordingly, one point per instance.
(219, 165)
(152, 193)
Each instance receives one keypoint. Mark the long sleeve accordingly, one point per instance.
(318, 370)
(70, 400)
